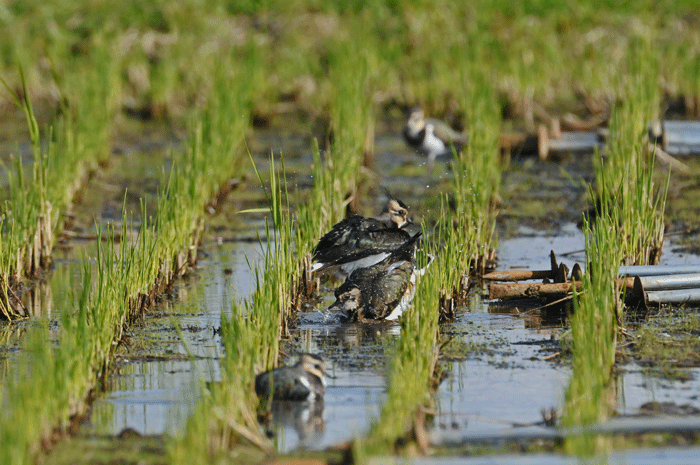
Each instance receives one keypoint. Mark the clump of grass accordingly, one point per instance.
(226, 419)
(594, 336)
(74, 146)
(624, 175)
(411, 373)
(469, 227)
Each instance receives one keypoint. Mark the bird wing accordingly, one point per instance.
(447, 134)
(388, 290)
(357, 240)
(283, 387)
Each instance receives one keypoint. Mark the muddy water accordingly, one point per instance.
(505, 379)
(635, 386)
(155, 384)
(498, 377)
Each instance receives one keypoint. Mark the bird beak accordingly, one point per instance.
(335, 304)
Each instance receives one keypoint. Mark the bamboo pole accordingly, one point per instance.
(509, 291)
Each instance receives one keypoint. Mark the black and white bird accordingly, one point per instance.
(432, 138)
(301, 381)
(381, 291)
(359, 242)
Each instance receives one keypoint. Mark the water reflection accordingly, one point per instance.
(304, 418)
(503, 380)
(149, 397)
(156, 385)
(356, 382)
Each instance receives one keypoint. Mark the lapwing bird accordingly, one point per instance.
(381, 291)
(302, 381)
(432, 138)
(359, 242)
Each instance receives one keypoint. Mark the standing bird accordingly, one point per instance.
(430, 137)
(358, 242)
(302, 381)
(381, 291)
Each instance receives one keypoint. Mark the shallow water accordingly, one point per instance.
(498, 378)
(504, 382)
(649, 456)
(500, 382)
(155, 385)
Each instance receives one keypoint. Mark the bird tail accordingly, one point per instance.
(408, 250)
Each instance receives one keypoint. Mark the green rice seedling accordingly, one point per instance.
(412, 367)
(628, 229)
(594, 332)
(478, 170)
(352, 114)
(323, 208)
(537, 51)
(469, 228)
(66, 363)
(352, 120)
(73, 147)
(336, 175)
(123, 284)
(625, 174)
(227, 114)
(121, 287)
(225, 421)
(27, 220)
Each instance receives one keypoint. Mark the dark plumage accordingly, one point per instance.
(302, 381)
(358, 242)
(381, 291)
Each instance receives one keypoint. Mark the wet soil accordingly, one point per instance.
(502, 364)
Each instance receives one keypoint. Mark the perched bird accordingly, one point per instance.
(358, 242)
(381, 291)
(430, 137)
(302, 381)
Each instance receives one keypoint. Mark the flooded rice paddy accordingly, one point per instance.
(503, 364)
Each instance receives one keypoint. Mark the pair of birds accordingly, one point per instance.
(432, 138)
(377, 256)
